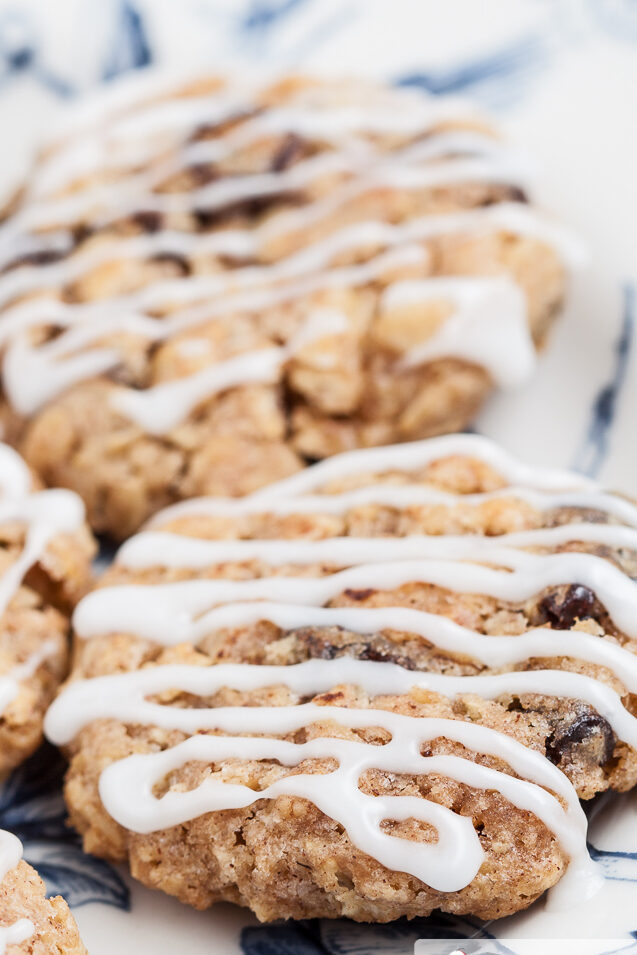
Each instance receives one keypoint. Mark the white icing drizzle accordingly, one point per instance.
(397, 171)
(502, 567)
(487, 306)
(313, 259)
(179, 612)
(162, 407)
(10, 682)
(339, 126)
(132, 196)
(30, 378)
(355, 156)
(126, 786)
(164, 549)
(397, 176)
(46, 514)
(413, 455)
(509, 217)
(488, 310)
(122, 145)
(10, 856)
(34, 375)
(485, 311)
(398, 496)
(488, 323)
(542, 488)
(119, 696)
(125, 609)
(444, 634)
(10, 853)
(28, 279)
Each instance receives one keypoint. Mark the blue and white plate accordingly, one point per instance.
(562, 77)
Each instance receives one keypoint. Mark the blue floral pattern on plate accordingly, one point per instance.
(20, 46)
(31, 806)
(316, 937)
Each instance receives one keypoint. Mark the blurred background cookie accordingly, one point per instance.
(208, 285)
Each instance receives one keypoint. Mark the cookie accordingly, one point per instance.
(377, 688)
(45, 556)
(31, 924)
(208, 285)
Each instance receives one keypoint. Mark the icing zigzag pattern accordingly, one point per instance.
(357, 645)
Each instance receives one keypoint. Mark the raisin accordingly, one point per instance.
(205, 218)
(561, 609)
(205, 130)
(359, 594)
(81, 232)
(41, 257)
(589, 730)
(148, 220)
(202, 173)
(511, 194)
(316, 645)
(387, 653)
(250, 207)
(173, 258)
(327, 643)
(291, 148)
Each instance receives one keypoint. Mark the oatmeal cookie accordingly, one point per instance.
(31, 924)
(45, 555)
(377, 688)
(205, 286)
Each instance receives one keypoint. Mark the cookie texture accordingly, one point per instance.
(270, 694)
(207, 286)
(31, 924)
(45, 556)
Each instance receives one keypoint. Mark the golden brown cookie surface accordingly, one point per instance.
(301, 674)
(45, 555)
